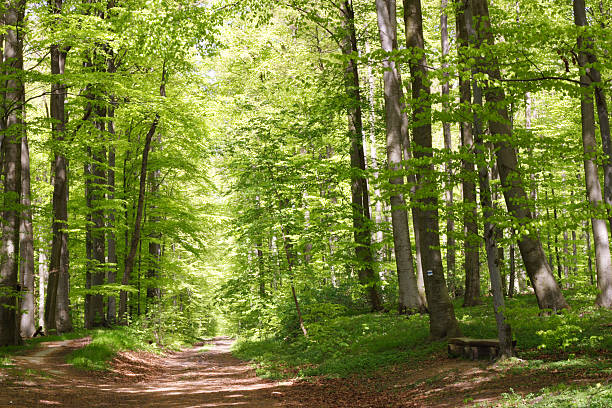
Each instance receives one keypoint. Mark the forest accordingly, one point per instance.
(333, 198)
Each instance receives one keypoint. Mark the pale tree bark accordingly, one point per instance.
(387, 26)
(603, 261)
(378, 204)
(446, 132)
(441, 312)
(26, 247)
(359, 186)
(548, 292)
(12, 116)
(472, 239)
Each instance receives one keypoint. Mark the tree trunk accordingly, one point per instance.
(359, 186)
(472, 239)
(512, 280)
(548, 292)
(378, 203)
(11, 170)
(385, 10)
(131, 256)
(441, 312)
(57, 313)
(26, 247)
(504, 331)
(603, 261)
(111, 244)
(446, 131)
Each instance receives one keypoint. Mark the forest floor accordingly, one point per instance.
(212, 377)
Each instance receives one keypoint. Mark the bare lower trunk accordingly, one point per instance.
(11, 170)
(392, 84)
(472, 239)
(26, 248)
(603, 260)
(359, 186)
(547, 290)
(441, 312)
(446, 131)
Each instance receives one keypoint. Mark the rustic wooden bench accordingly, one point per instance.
(474, 349)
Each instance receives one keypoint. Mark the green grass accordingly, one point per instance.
(105, 344)
(342, 346)
(563, 396)
(345, 345)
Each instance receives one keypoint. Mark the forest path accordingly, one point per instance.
(199, 377)
(195, 377)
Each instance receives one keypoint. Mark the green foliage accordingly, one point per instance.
(105, 344)
(342, 346)
(563, 396)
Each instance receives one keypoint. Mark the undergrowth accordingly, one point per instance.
(339, 346)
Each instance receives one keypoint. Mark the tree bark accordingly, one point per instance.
(359, 187)
(548, 292)
(57, 313)
(26, 247)
(441, 312)
(386, 16)
(603, 260)
(135, 239)
(12, 113)
(446, 132)
(472, 239)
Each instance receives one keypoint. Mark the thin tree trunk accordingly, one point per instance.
(504, 331)
(131, 256)
(441, 312)
(26, 247)
(556, 218)
(111, 244)
(11, 170)
(446, 131)
(472, 239)
(603, 260)
(359, 186)
(57, 313)
(512, 280)
(547, 290)
(378, 203)
(387, 25)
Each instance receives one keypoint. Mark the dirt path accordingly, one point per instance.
(191, 378)
(199, 377)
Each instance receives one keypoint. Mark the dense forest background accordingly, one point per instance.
(258, 167)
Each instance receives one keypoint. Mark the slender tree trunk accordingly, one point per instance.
(26, 247)
(378, 203)
(556, 218)
(387, 26)
(111, 244)
(603, 261)
(446, 131)
(547, 290)
(587, 235)
(57, 313)
(135, 239)
(504, 331)
(512, 280)
(472, 239)
(11, 170)
(359, 186)
(441, 312)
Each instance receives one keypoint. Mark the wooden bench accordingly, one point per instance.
(474, 349)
